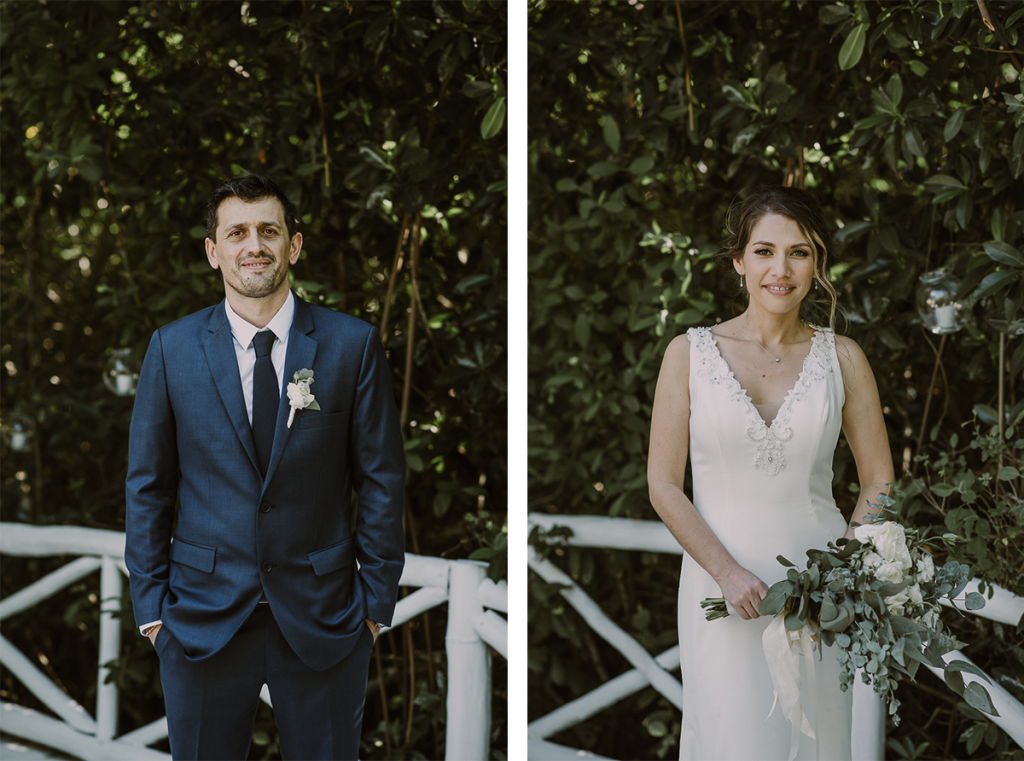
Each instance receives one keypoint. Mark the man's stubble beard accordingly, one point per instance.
(259, 285)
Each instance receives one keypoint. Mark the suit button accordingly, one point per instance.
(267, 567)
(266, 507)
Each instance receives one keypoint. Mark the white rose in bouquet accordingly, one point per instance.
(896, 603)
(925, 568)
(891, 572)
(866, 531)
(891, 542)
(916, 596)
(872, 560)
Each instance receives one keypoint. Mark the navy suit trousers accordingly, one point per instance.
(211, 704)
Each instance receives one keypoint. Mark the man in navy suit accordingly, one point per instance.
(259, 417)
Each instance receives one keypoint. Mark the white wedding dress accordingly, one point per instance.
(764, 491)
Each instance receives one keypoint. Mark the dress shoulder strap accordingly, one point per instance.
(704, 356)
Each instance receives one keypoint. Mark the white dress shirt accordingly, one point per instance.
(245, 352)
(243, 331)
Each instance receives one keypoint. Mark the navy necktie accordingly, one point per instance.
(265, 398)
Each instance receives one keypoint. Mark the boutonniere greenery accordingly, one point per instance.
(298, 394)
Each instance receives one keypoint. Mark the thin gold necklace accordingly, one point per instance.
(777, 359)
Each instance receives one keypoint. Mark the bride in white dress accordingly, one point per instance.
(757, 403)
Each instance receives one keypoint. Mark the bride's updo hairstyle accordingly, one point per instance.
(800, 206)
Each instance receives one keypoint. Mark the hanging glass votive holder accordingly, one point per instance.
(119, 376)
(18, 431)
(937, 302)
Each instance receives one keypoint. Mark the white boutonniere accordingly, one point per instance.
(298, 394)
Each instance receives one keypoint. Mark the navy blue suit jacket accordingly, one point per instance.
(290, 535)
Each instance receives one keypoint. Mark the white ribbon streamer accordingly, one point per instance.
(782, 651)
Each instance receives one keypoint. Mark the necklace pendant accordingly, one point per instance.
(777, 359)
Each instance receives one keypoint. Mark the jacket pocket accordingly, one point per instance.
(331, 558)
(196, 556)
(315, 419)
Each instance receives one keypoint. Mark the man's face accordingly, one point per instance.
(252, 250)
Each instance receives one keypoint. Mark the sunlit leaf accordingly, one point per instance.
(853, 48)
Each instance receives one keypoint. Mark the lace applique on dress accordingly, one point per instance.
(710, 365)
(768, 440)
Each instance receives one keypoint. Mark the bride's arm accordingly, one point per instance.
(666, 470)
(864, 427)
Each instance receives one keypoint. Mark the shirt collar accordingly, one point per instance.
(243, 330)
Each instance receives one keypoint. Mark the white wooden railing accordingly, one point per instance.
(652, 536)
(473, 624)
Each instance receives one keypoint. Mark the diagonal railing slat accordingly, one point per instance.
(51, 696)
(24, 722)
(48, 586)
(153, 732)
(494, 596)
(423, 599)
(591, 612)
(549, 751)
(595, 701)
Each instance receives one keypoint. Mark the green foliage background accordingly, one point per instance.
(385, 124)
(646, 121)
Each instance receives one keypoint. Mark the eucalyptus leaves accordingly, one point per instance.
(876, 598)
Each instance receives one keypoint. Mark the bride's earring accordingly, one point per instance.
(741, 282)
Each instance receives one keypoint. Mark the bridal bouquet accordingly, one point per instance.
(876, 598)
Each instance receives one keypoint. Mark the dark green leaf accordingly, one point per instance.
(894, 89)
(940, 181)
(967, 666)
(978, 697)
(476, 88)
(602, 169)
(493, 120)
(641, 166)
(833, 14)
(914, 141)
(610, 129)
(853, 48)
(953, 124)
(1008, 473)
(1004, 253)
(1017, 153)
(954, 681)
(993, 283)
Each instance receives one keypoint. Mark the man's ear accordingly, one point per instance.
(294, 248)
(211, 254)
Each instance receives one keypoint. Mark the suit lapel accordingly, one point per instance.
(220, 355)
(301, 353)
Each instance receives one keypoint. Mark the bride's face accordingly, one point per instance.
(778, 264)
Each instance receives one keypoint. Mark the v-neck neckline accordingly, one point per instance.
(751, 407)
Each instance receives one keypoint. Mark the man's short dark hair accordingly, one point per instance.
(250, 188)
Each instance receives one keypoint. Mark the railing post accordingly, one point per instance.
(469, 667)
(110, 648)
